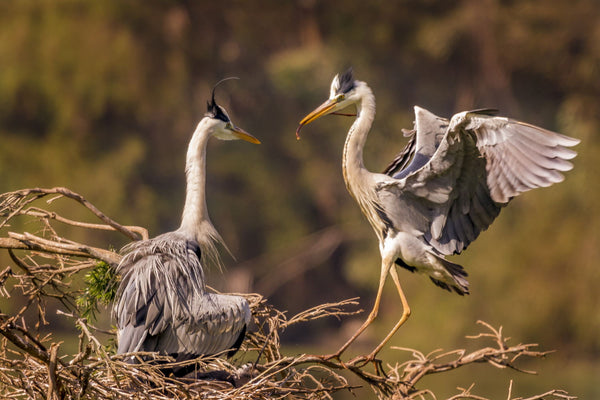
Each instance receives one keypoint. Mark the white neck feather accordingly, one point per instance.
(195, 212)
(352, 162)
(195, 221)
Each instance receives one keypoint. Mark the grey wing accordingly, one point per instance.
(219, 323)
(413, 210)
(152, 295)
(519, 156)
(481, 163)
(424, 140)
(401, 160)
(141, 310)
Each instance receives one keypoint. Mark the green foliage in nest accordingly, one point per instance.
(101, 287)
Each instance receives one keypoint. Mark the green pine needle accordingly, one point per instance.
(101, 287)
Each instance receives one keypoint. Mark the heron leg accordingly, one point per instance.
(403, 318)
(385, 269)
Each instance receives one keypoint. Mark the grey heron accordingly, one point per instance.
(446, 186)
(162, 303)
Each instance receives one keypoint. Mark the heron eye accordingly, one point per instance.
(340, 97)
(228, 126)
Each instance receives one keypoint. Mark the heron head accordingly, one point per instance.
(222, 126)
(343, 92)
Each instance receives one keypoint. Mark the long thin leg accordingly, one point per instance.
(385, 269)
(403, 318)
(405, 314)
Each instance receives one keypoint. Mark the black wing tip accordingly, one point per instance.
(403, 158)
(485, 111)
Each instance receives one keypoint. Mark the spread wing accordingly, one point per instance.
(401, 161)
(424, 140)
(479, 165)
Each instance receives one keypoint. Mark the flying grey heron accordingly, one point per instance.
(443, 189)
(162, 304)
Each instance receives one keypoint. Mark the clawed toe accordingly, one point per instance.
(327, 357)
(361, 361)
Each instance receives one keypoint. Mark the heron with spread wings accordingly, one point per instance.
(447, 185)
(162, 303)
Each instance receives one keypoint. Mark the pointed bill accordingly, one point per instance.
(242, 134)
(318, 112)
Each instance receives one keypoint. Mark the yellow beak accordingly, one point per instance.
(318, 112)
(242, 134)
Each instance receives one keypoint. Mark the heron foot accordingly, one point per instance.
(361, 361)
(333, 356)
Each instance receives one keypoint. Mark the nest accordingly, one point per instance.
(46, 265)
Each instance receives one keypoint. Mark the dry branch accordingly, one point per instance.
(32, 366)
(14, 203)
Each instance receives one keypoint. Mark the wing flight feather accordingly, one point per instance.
(162, 304)
(480, 163)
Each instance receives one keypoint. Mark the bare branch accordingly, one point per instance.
(13, 202)
(325, 310)
(53, 383)
(40, 213)
(31, 364)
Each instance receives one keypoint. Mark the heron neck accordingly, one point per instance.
(195, 212)
(352, 162)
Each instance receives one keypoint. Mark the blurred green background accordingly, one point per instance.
(102, 97)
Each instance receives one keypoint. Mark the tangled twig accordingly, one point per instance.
(32, 364)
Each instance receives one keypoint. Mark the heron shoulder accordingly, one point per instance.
(163, 271)
(171, 244)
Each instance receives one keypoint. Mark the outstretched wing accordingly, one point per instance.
(519, 156)
(424, 140)
(400, 162)
(481, 163)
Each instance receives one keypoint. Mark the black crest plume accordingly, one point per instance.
(214, 110)
(346, 81)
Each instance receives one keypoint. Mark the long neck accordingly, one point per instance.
(195, 222)
(352, 162)
(195, 212)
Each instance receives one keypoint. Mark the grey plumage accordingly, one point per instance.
(466, 169)
(162, 304)
(446, 187)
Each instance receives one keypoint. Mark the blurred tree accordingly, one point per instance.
(103, 96)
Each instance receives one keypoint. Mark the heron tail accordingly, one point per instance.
(455, 279)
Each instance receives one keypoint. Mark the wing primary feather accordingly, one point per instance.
(403, 158)
(448, 191)
(530, 172)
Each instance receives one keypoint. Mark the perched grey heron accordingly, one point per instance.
(443, 189)
(162, 304)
